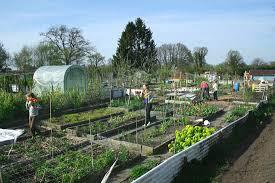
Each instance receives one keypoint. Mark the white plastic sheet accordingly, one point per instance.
(61, 78)
(9, 136)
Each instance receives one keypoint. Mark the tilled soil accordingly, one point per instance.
(257, 163)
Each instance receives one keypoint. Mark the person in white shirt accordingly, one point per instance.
(215, 89)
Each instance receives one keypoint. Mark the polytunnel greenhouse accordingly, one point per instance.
(64, 78)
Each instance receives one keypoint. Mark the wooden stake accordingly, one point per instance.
(91, 142)
(1, 179)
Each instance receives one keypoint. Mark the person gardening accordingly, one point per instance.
(215, 89)
(146, 95)
(202, 86)
(33, 107)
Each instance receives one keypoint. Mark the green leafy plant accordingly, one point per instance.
(237, 112)
(139, 170)
(202, 110)
(188, 136)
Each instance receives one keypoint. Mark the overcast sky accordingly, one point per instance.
(220, 25)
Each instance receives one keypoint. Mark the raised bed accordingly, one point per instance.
(163, 110)
(110, 127)
(70, 120)
(147, 140)
(41, 147)
(87, 165)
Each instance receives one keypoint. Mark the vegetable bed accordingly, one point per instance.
(112, 123)
(199, 110)
(238, 112)
(152, 139)
(132, 105)
(155, 135)
(39, 147)
(75, 119)
(74, 166)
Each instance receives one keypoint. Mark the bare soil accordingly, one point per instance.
(257, 163)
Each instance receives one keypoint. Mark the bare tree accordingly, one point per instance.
(23, 60)
(177, 55)
(199, 58)
(234, 63)
(96, 59)
(69, 44)
(258, 62)
(44, 54)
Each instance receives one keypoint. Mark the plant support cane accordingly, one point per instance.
(1, 180)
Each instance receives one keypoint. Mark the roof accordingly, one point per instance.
(262, 72)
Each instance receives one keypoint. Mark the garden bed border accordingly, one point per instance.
(168, 170)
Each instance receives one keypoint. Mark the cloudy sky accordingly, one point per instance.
(220, 25)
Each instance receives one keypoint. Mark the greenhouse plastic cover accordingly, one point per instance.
(8, 136)
(47, 77)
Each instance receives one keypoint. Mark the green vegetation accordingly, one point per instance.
(188, 136)
(201, 110)
(157, 134)
(34, 148)
(76, 166)
(139, 170)
(134, 104)
(164, 126)
(113, 122)
(11, 105)
(237, 112)
(85, 116)
(72, 99)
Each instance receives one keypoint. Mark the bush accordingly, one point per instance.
(11, 105)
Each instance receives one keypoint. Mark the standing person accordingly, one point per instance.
(146, 95)
(215, 89)
(33, 107)
(202, 90)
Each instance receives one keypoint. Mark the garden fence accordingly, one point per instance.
(168, 170)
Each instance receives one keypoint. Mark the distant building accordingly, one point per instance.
(268, 75)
